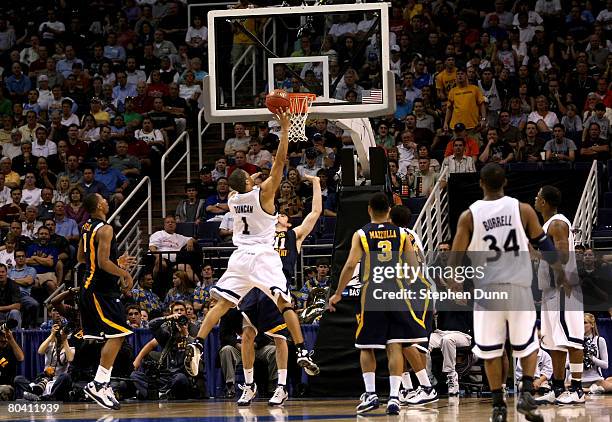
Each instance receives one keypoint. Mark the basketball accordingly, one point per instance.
(277, 99)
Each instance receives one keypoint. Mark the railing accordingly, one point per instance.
(586, 214)
(164, 176)
(202, 131)
(251, 68)
(267, 40)
(432, 223)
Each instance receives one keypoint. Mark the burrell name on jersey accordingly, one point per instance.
(499, 243)
(252, 225)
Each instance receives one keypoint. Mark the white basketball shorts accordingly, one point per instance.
(514, 318)
(562, 320)
(253, 267)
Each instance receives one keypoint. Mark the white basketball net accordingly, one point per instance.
(300, 106)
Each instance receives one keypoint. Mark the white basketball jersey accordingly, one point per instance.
(252, 225)
(499, 243)
(545, 279)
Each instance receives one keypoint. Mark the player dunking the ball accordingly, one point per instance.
(496, 232)
(562, 311)
(102, 313)
(255, 264)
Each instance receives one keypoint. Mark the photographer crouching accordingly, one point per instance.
(10, 355)
(55, 382)
(162, 375)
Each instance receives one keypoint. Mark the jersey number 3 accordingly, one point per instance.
(510, 245)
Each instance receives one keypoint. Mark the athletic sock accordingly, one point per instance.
(102, 375)
(299, 346)
(248, 376)
(407, 381)
(282, 377)
(369, 379)
(527, 384)
(498, 398)
(394, 384)
(423, 378)
(576, 384)
(558, 386)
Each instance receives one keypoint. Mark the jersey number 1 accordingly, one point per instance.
(510, 245)
(246, 226)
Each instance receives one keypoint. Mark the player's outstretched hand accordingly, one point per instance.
(126, 283)
(126, 262)
(283, 118)
(333, 300)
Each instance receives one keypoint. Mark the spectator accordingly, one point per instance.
(68, 115)
(127, 165)
(423, 179)
(240, 162)
(112, 51)
(595, 358)
(22, 242)
(180, 291)
(531, 148)
(10, 298)
(593, 146)
(45, 209)
(90, 185)
(191, 209)
(257, 156)
(403, 107)
(287, 201)
(423, 120)
(11, 178)
(208, 184)
(240, 141)
(28, 131)
(64, 249)
(153, 137)
(216, 204)
(406, 150)
(506, 132)
(30, 226)
(496, 151)
(122, 90)
(560, 148)
(226, 228)
(178, 246)
(459, 162)
(52, 29)
(470, 144)
(423, 152)
(162, 120)
(466, 105)
(5, 192)
(11, 354)
(201, 294)
(310, 167)
(18, 84)
(65, 226)
(43, 258)
(134, 317)
(24, 277)
(144, 297)
(269, 141)
(542, 117)
(599, 117)
(447, 78)
(7, 255)
(15, 211)
(43, 147)
(65, 65)
(543, 372)
(320, 280)
(74, 208)
(383, 138)
(31, 194)
(116, 183)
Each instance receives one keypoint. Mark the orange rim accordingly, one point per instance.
(300, 101)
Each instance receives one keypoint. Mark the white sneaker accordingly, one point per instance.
(579, 396)
(193, 354)
(112, 397)
(249, 391)
(566, 398)
(97, 392)
(279, 396)
(393, 406)
(596, 389)
(404, 395)
(369, 401)
(452, 381)
(423, 396)
(548, 398)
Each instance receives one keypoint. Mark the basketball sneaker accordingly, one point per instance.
(98, 393)
(422, 396)
(571, 397)
(526, 405)
(193, 354)
(499, 414)
(112, 397)
(596, 389)
(548, 398)
(393, 406)
(279, 396)
(304, 360)
(249, 391)
(452, 381)
(369, 401)
(404, 395)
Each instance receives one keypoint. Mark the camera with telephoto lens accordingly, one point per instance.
(9, 324)
(66, 329)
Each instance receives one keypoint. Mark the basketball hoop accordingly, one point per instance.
(298, 113)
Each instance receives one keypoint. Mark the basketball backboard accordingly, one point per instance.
(338, 52)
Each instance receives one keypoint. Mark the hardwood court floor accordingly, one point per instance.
(597, 409)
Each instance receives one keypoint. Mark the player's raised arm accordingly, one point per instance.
(271, 184)
(347, 272)
(304, 229)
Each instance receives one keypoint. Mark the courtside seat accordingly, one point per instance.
(415, 204)
(186, 229)
(604, 219)
(553, 166)
(608, 200)
(523, 166)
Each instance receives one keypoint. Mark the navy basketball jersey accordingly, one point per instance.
(95, 278)
(382, 243)
(285, 243)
